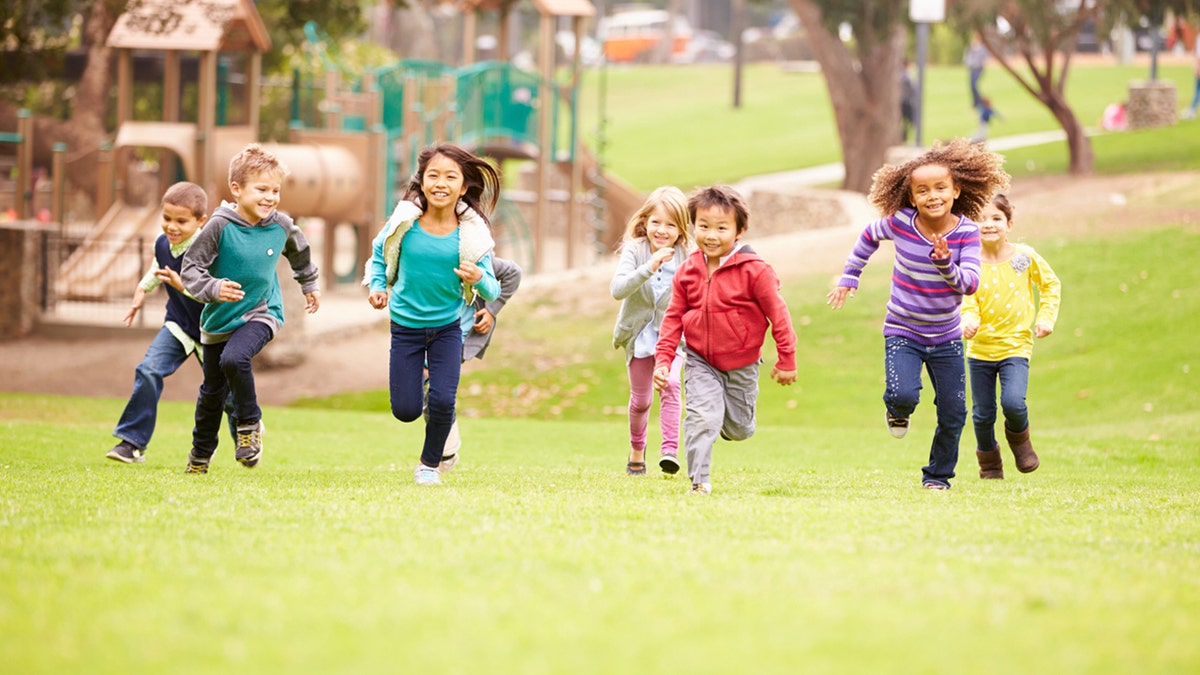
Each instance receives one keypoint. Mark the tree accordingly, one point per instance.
(1042, 36)
(862, 76)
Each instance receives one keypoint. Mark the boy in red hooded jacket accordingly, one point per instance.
(722, 300)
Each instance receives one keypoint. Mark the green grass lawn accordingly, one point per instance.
(677, 125)
(817, 551)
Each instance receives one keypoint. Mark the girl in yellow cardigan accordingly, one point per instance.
(1000, 320)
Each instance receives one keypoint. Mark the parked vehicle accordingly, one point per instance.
(631, 35)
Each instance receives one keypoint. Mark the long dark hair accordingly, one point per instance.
(481, 179)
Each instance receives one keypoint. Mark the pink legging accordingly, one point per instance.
(641, 396)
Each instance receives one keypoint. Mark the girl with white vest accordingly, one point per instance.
(657, 240)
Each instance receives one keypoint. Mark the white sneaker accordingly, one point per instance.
(427, 475)
(700, 489)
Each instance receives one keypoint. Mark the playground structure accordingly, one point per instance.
(350, 171)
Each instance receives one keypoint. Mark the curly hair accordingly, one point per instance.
(977, 172)
(481, 179)
(723, 197)
(253, 161)
(673, 203)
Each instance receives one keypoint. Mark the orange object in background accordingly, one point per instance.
(630, 35)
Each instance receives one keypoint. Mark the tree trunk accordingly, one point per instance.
(1083, 159)
(864, 92)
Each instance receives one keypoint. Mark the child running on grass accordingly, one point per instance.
(722, 301)
(232, 268)
(657, 241)
(184, 210)
(478, 324)
(429, 260)
(927, 205)
(997, 321)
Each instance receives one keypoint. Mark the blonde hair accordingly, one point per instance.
(674, 203)
(977, 172)
(189, 196)
(253, 160)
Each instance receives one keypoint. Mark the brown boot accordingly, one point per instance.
(1022, 449)
(990, 463)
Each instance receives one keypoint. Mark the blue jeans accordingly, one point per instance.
(1013, 374)
(903, 359)
(414, 349)
(163, 357)
(227, 370)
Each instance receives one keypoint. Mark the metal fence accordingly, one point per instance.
(92, 280)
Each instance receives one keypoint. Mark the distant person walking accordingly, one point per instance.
(975, 58)
(1190, 113)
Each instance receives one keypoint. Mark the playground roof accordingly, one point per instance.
(191, 25)
(550, 7)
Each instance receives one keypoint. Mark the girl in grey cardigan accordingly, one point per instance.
(657, 240)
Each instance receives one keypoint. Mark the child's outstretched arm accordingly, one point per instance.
(856, 262)
(304, 270)
(1049, 292)
(837, 297)
(199, 258)
(139, 298)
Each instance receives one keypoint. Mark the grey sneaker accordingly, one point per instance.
(450, 451)
(249, 444)
(126, 452)
(427, 475)
(897, 426)
(195, 464)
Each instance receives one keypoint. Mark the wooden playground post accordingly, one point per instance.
(104, 177)
(573, 215)
(24, 188)
(58, 171)
(546, 102)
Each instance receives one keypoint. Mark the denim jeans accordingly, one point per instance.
(227, 370)
(414, 349)
(1013, 375)
(163, 357)
(903, 359)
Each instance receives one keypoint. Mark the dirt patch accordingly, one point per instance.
(357, 360)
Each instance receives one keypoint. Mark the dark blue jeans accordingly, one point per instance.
(414, 349)
(227, 370)
(903, 359)
(163, 357)
(1013, 375)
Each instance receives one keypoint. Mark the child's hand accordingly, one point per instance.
(483, 321)
(969, 328)
(378, 299)
(133, 310)
(1042, 329)
(783, 377)
(837, 297)
(659, 257)
(312, 302)
(231, 291)
(941, 250)
(469, 272)
(169, 277)
(661, 375)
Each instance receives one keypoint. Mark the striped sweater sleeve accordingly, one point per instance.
(864, 248)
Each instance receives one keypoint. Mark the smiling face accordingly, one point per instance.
(994, 226)
(933, 192)
(179, 223)
(661, 230)
(442, 182)
(257, 196)
(716, 232)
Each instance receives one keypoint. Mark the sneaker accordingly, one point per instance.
(196, 465)
(897, 426)
(447, 464)
(126, 452)
(669, 464)
(934, 485)
(249, 444)
(725, 436)
(700, 489)
(427, 475)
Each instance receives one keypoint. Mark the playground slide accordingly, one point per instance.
(113, 257)
(622, 199)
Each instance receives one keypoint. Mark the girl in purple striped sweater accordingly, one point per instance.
(927, 205)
